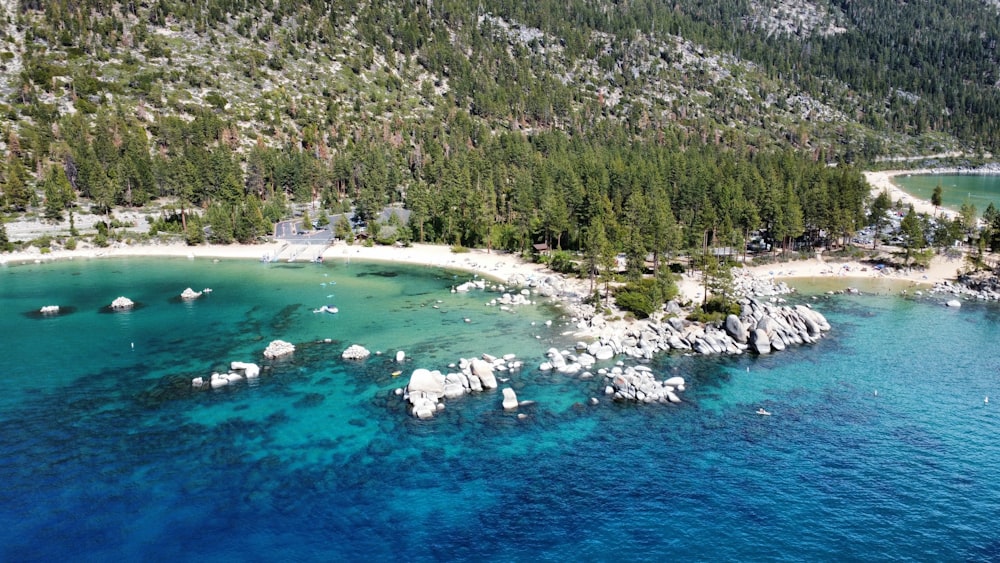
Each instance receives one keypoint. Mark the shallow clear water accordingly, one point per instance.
(956, 189)
(880, 445)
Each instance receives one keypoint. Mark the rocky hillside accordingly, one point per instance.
(758, 73)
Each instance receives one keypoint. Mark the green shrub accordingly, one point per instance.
(646, 295)
(458, 249)
(70, 244)
(714, 311)
(194, 236)
(635, 302)
(563, 263)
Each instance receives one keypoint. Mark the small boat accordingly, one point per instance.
(327, 309)
(761, 411)
(396, 373)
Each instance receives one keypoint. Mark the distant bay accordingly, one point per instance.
(956, 189)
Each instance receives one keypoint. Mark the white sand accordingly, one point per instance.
(497, 265)
(883, 181)
(494, 264)
(941, 268)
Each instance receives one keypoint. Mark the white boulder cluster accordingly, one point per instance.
(637, 383)
(469, 286)
(428, 389)
(278, 348)
(746, 284)
(122, 304)
(355, 352)
(769, 327)
(762, 327)
(547, 285)
(508, 299)
(569, 363)
(980, 290)
(238, 371)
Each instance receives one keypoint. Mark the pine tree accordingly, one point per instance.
(58, 193)
(936, 197)
(16, 194)
(5, 244)
(877, 215)
(912, 231)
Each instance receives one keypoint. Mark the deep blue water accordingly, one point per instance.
(880, 445)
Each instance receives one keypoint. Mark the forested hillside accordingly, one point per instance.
(638, 126)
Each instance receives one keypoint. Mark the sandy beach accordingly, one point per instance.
(883, 181)
(941, 268)
(497, 265)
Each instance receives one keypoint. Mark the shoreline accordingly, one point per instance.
(942, 268)
(501, 266)
(883, 180)
(497, 265)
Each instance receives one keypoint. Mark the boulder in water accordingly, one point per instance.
(355, 352)
(484, 371)
(604, 353)
(760, 342)
(509, 399)
(735, 329)
(278, 348)
(190, 294)
(249, 370)
(122, 304)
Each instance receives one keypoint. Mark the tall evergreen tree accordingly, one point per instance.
(58, 193)
(913, 233)
(16, 193)
(877, 215)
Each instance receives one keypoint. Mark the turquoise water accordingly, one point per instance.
(880, 445)
(956, 189)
